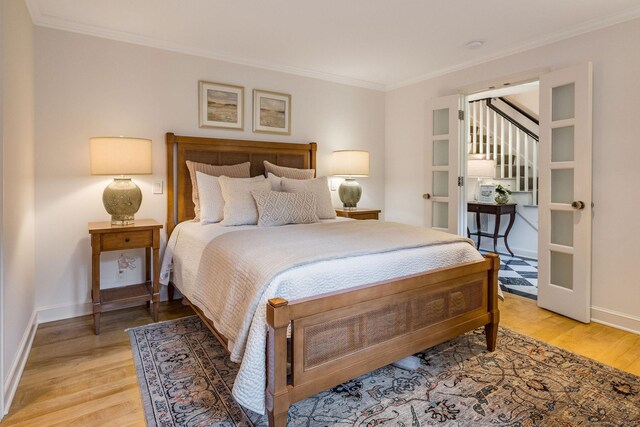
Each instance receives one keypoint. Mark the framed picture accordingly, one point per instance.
(487, 193)
(271, 112)
(220, 105)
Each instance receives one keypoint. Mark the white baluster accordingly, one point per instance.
(495, 136)
(518, 132)
(488, 145)
(474, 130)
(482, 107)
(510, 170)
(502, 152)
(526, 162)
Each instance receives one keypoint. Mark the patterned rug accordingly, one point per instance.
(186, 377)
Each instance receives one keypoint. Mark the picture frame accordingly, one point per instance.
(220, 105)
(487, 193)
(271, 112)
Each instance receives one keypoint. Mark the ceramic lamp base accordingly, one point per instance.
(350, 193)
(122, 199)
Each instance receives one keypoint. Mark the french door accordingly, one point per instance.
(564, 241)
(442, 164)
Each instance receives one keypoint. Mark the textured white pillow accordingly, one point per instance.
(319, 187)
(279, 208)
(210, 194)
(293, 173)
(239, 205)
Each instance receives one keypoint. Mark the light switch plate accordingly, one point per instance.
(158, 187)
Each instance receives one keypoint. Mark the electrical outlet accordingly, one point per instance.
(121, 275)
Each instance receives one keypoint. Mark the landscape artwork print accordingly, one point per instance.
(271, 112)
(221, 105)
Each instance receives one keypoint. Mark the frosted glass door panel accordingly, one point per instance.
(563, 102)
(441, 153)
(562, 269)
(441, 121)
(440, 215)
(562, 186)
(441, 184)
(562, 228)
(562, 144)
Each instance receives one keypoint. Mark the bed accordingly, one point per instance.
(378, 322)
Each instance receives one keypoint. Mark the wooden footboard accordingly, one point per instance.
(339, 336)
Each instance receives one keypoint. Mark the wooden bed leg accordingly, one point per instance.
(170, 291)
(277, 398)
(491, 328)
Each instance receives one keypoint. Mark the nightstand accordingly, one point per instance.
(358, 213)
(145, 233)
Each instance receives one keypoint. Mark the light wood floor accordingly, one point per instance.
(74, 377)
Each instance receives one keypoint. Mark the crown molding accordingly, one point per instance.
(55, 23)
(587, 27)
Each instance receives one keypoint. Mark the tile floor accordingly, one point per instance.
(518, 276)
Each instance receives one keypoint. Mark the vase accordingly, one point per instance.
(501, 199)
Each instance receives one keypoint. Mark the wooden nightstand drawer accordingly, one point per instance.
(127, 240)
(358, 213)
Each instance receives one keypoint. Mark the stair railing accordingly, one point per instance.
(493, 131)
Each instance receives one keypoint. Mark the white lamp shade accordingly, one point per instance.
(120, 156)
(350, 163)
(481, 168)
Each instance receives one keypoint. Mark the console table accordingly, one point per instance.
(498, 211)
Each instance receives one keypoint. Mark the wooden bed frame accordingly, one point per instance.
(339, 336)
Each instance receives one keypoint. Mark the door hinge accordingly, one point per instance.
(461, 114)
(460, 181)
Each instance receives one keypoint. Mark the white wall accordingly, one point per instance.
(17, 237)
(616, 152)
(88, 86)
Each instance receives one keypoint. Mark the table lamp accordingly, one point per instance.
(480, 168)
(121, 156)
(350, 164)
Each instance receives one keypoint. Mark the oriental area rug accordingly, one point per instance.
(186, 377)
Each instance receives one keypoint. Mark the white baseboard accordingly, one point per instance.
(13, 379)
(52, 313)
(615, 319)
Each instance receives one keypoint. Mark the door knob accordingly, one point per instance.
(579, 205)
(426, 196)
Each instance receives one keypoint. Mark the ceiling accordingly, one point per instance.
(379, 44)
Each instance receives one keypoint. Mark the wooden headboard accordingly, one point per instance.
(216, 151)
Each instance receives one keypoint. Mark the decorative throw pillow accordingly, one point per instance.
(211, 200)
(241, 170)
(319, 187)
(278, 208)
(293, 173)
(239, 205)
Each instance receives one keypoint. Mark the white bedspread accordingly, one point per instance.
(187, 244)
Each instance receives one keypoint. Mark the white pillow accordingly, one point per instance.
(241, 170)
(210, 197)
(279, 208)
(239, 205)
(319, 187)
(275, 182)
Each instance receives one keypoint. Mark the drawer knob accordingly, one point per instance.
(126, 239)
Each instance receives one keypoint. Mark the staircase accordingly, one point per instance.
(502, 132)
